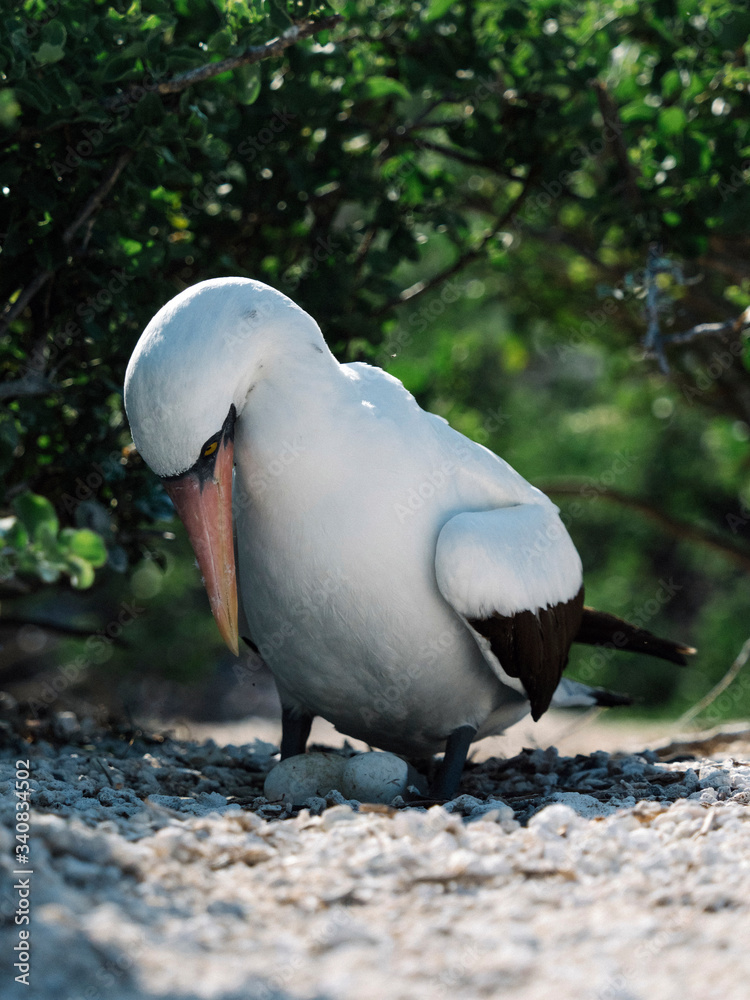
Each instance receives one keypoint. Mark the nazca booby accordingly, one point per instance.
(399, 579)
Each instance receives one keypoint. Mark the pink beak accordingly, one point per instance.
(205, 508)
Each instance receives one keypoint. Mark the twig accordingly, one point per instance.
(40, 280)
(710, 329)
(453, 154)
(680, 529)
(713, 694)
(612, 120)
(97, 198)
(251, 55)
(31, 384)
(15, 309)
(463, 259)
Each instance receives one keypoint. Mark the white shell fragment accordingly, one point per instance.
(377, 777)
(298, 778)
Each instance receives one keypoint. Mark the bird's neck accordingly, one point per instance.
(294, 402)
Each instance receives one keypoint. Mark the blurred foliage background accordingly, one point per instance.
(534, 214)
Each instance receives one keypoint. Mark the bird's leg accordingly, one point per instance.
(451, 767)
(295, 728)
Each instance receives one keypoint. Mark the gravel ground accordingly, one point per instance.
(157, 869)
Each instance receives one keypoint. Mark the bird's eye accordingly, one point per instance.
(210, 449)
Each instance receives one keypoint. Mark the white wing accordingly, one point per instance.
(514, 574)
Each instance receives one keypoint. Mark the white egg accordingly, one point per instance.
(377, 777)
(298, 778)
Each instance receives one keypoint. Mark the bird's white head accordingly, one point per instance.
(201, 354)
(187, 382)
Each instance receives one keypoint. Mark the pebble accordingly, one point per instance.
(200, 891)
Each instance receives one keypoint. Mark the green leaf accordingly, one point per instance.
(220, 42)
(81, 572)
(149, 111)
(85, 544)
(437, 9)
(672, 121)
(278, 16)
(54, 33)
(131, 247)
(29, 92)
(10, 109)
(637, 111)
(384, 86)
(671, 83)
(117, 68)
(248, 83)
(47, 54)
(15, 534)
(37, 514)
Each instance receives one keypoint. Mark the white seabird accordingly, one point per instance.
(399, 579)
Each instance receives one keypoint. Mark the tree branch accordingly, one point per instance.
(31, 384)
(40, 280)
(463, 259)
(178, 83)
(254, 54)
(453, 154)
(613, 123)
(700, 706)
(96, 200)
(679, 529)
(27, 294)
(710, 329)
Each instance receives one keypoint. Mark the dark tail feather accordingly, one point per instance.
(599, 628)
(611, 699)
